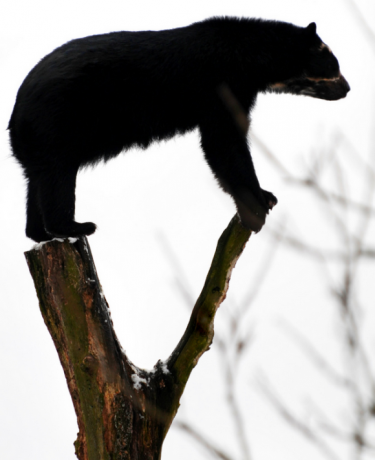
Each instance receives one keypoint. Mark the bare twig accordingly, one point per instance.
(236, 414)
(271, 395)
(202, 440)
(312, 353)
(181, 278)
(364, 26)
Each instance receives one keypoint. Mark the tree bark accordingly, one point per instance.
(123, 412)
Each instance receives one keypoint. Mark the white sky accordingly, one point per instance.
(168, 192)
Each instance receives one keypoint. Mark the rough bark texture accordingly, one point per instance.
(123, 412)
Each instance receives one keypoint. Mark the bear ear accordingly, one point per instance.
(311, 29)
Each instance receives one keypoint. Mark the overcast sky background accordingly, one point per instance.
(143, 199)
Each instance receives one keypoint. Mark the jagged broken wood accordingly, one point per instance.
(123, 412)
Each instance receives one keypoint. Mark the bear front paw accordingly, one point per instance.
(270, 199)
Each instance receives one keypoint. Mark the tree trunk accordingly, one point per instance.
(123, 412)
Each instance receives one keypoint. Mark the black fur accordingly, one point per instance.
(94, 97)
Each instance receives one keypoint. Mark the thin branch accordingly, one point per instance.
(271, 157)
(292, 420)
(339, 199)
(319, 361)
(300, 245)
(237, 415)
(364, 26)
(327, 426)
(231, 353)
(181, 278)
(202, 440)
(199, 332)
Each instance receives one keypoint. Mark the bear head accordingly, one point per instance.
(321, 77)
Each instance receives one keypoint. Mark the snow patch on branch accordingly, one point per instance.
(137, 381)
(136, 378)
(86, 248)
(42, 243)
(60, 240)
(164, 367)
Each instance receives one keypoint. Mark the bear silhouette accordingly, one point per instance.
(97, 96)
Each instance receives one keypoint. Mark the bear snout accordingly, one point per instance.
(344, 84)
(330, 89)
(338, 89)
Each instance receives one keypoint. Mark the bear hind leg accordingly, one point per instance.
(57, 204)
(34, 220)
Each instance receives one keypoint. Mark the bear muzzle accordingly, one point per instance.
(330, 89)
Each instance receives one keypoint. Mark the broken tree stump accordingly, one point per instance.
(123, 412)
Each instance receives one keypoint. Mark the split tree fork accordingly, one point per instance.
(123, 412)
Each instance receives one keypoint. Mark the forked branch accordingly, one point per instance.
(123, 412)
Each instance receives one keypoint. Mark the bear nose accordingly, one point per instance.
(344, 84)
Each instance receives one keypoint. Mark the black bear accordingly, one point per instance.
(94, 97)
